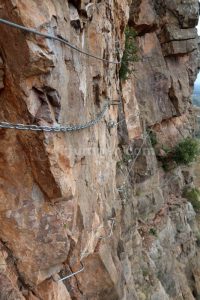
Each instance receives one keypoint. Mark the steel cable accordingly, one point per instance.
(56, 38)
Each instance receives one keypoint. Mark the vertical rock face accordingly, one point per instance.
(97, 197)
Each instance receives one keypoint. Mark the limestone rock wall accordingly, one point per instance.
(96, 197)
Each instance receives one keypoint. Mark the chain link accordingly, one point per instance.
(61, 128)
(57, 128)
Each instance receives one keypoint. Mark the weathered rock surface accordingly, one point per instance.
(97, 196)
(1, 74)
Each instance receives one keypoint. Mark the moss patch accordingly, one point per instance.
(193, 196)
(129, 55)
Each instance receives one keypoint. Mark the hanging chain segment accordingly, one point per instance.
(58, 128)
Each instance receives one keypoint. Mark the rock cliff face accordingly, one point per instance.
(97, 197)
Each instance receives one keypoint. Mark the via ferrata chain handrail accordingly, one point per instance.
(58, 128)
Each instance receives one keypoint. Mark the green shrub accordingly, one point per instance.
(183, 153)
(119, 164)
(153, 138)
(186, 151)
(124, 192)
(198, 239)
(145, 272)
(129, 55)
(126, 158)
(153, 231)
(165, 165)
(193, 196)
(166, 149)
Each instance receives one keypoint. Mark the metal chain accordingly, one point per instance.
(56, 38)
(58, 128)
